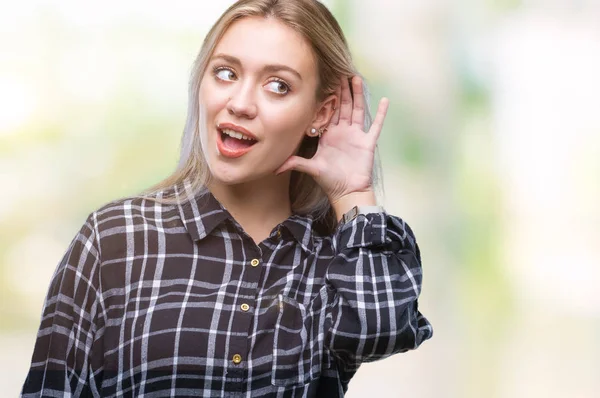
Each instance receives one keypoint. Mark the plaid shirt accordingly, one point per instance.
(177, 300)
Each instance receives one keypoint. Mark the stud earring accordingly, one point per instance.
(314, 132)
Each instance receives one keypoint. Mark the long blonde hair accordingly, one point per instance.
(318, 26)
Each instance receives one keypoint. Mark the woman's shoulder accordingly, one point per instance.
(130, 219)
(133, 213)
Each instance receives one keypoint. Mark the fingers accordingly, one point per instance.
(358, 111)
(352, 106)
(377, 125)
(346, 102)
(299, 164)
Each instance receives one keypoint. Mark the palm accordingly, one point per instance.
(344, 159)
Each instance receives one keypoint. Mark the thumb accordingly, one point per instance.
(299, 164)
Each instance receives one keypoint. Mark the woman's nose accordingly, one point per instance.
(242, 104)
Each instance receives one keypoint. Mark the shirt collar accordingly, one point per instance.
(202, 214)
(301, 228)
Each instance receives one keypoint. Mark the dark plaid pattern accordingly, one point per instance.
(155, 300)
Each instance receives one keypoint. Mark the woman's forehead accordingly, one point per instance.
(259, 41)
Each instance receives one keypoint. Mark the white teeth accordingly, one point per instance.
(236, 134)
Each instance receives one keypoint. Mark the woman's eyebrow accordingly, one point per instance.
(267, 68)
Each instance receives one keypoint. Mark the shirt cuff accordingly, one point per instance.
(364, 231)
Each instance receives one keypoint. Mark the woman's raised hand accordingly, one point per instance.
(343, 163)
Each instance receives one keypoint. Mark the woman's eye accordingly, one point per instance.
(225, 74)
(278, 87)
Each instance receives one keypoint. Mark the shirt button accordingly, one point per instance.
(254, 262)
(237, 358)
(278, 234)
(245, 307)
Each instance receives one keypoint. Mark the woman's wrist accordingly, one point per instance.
(344, 204)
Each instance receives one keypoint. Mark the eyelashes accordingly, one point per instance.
(218, 72)
(221, 72)
(275, 85)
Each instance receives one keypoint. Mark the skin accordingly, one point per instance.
(241, 87)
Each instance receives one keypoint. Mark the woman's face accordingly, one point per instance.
(260, 82)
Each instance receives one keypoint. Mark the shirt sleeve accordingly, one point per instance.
(374, 282)
(62, 363)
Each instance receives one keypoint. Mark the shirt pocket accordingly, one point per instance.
(298, 342)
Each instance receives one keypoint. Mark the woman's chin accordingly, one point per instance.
(238, 175)
(231, 175)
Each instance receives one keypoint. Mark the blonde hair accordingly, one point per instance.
(318, 26)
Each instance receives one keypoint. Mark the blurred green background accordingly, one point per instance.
(491, 151)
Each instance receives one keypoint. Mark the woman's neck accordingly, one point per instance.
(258, 206)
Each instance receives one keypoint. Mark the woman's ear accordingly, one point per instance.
(325, 111)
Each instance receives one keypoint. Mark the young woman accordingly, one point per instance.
(263, 266)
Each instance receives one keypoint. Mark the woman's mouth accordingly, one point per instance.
(233, 143)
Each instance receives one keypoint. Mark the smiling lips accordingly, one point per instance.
(234, 141)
